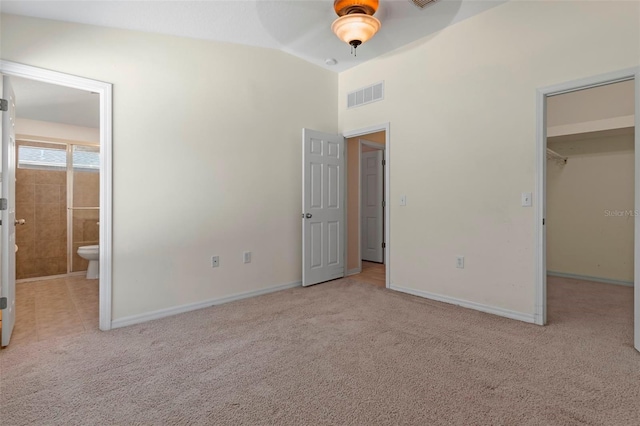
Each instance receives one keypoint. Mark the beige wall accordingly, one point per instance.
(353, 195)
(593, 104)
(207, 155)
(595, 109)
(589, 200)
(377, 137)
(462, 108)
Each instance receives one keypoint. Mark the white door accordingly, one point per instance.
(8, 226)
(323, 212)
(371, 217)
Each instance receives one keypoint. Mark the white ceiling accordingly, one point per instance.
(57, 104)
(299, 27)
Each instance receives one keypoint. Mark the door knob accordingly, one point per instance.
(308, 215)
(20, 221)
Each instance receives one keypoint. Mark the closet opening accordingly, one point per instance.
(590, 209)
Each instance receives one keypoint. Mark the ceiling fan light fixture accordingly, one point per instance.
(344, 7)
(355, 24)
(355, 28)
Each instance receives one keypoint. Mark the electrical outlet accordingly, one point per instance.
(246, 257)
(460, 262)
(215, 261)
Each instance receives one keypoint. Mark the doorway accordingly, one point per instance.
(103, 92)
(365, 208)
(368, 207)
(587, 186)
(326, 200)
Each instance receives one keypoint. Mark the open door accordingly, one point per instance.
(323, 212)
(8, 226)
(371, 220)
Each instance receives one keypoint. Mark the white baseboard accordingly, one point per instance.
(588, 278)
(467, 304)
(354, 271)
(161, 313)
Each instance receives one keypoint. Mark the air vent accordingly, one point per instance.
(366, 95)
(422, 3)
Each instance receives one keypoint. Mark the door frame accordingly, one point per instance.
(105, 91)
(362, 132)
(540, 314)
(379, 146)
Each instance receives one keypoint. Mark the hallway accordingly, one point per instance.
(372, 273)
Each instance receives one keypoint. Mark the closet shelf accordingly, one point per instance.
(551, 154)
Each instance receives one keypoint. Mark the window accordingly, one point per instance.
(85, 159)
(31, 157)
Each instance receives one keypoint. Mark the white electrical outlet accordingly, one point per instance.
(460, 262)
(246, 257)
(215, 261)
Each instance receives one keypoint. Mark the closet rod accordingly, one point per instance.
(556, 156)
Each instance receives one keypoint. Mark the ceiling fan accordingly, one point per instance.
(356, 23)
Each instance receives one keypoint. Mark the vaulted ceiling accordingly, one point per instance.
(299, 27)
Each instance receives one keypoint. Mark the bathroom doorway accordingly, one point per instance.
(103, 94)
(57, 199)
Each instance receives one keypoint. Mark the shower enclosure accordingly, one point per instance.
(58, 195)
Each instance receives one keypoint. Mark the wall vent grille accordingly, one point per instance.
(422, 3)
(366, 95)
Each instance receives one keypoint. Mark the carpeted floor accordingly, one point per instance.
(340, 353)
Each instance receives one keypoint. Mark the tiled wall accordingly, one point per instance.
(41, 200)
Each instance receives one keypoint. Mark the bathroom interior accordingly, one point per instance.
(57, 211)
(58, 196)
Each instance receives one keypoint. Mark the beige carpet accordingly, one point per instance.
(340, 353)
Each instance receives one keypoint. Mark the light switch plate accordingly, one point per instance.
(403, 200)
(526, 199)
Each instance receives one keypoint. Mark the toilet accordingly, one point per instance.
(92, 254)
